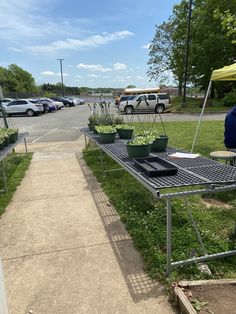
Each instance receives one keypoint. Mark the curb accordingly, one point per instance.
(182, 301)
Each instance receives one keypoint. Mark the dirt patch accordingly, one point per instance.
(213, 299)
(209, 202)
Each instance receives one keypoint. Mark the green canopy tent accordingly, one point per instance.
(227, 73)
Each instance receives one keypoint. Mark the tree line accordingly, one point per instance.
(16, 80)
(212, 44)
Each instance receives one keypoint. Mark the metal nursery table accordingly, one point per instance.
(6, 151)
(203, 175)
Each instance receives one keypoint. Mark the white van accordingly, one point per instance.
(157, 102)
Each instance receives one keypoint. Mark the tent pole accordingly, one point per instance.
(200, 118)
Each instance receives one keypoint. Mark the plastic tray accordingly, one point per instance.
(155, 166)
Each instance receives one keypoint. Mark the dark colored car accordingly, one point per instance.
(37, 101)
(66, 101)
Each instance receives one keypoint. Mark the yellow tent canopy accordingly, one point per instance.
(227, 73)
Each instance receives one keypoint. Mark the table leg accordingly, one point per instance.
(85, 141)
(26, 149)
(168, 235)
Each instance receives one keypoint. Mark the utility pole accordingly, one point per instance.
(2, 109)
(62, 84)
(187, 52)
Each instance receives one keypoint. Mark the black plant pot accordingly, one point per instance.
(125, 133)
(160, 144)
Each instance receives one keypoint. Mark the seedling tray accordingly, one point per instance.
(155, 166)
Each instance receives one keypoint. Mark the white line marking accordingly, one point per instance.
(39, 138)
(22, 130)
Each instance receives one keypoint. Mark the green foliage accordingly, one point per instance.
(56, 89)
(124, 127)
(16, 165)
(131, 86)
(105, 129)
(228, 23)
(230, 98)
(118, 120)
(195, 105)
(141, 140)
(211, 46)
(18, 80)
(7, 136)
(49, 95)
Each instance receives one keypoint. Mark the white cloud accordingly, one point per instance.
(93, 75)
(119, 66)
(93, 67)
(51, 73)
(24, 21)
(79, 76)
(139, 77)
(75, 44)
(146, 46)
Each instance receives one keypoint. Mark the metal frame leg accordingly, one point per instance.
(85, 141)
(168, 234)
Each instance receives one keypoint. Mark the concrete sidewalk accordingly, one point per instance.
(64, 248)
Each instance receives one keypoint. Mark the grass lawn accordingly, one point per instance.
(194, 105)
(15, 167)
(145, 217)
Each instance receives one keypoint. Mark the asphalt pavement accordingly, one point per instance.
(65, 124)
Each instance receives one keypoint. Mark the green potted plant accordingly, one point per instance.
(93, 122)
(159, 142)
(13, 134)
(125, 131)
(6, 138)
(107, 133)
(2, 142)
(140, 146)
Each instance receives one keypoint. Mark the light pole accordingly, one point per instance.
(62, 84)
(187, 52)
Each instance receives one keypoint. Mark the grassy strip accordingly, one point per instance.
(145, 217)
(15, 166)
(194, 105)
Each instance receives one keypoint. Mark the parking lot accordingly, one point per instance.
(65, 124)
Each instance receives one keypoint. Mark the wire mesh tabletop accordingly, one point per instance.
(205, 174)
(191, 172)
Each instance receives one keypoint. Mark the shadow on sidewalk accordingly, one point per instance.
(140, 286)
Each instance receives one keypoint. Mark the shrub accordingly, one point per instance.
(230, 98)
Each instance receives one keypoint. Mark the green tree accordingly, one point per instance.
(211, 44)
(131, 86)
(20, 80)
(4, 79)
(167, 49)
(211, 48)
(228, 23)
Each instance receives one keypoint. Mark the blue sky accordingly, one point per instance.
(103, 43)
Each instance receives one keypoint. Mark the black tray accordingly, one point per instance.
(155, 166)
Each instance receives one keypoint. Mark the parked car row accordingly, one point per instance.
(31, 107)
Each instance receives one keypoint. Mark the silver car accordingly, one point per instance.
(23, 106)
